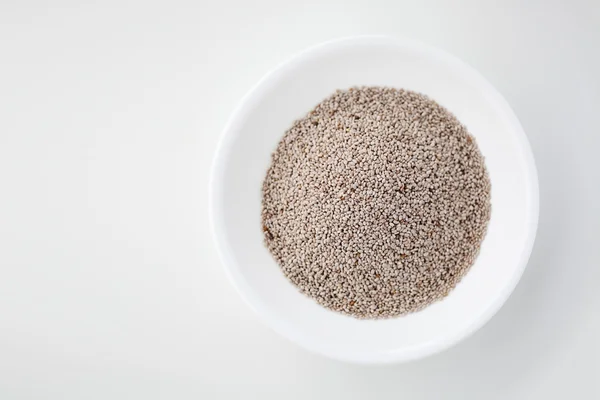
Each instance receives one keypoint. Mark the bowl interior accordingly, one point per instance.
(290, 92)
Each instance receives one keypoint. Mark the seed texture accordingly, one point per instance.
(376, 202)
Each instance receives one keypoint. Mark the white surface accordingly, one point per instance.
(288, 93)
(110, 285)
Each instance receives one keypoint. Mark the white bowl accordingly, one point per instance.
(288, 93)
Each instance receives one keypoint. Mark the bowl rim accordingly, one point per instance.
(216, 211)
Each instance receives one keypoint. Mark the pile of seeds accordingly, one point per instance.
(376, 202)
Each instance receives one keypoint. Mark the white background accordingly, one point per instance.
(110, 286)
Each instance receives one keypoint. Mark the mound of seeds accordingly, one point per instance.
(376, 202)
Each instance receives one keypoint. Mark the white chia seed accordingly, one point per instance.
(376, 202)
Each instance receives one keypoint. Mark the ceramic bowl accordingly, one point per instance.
(288, 93)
